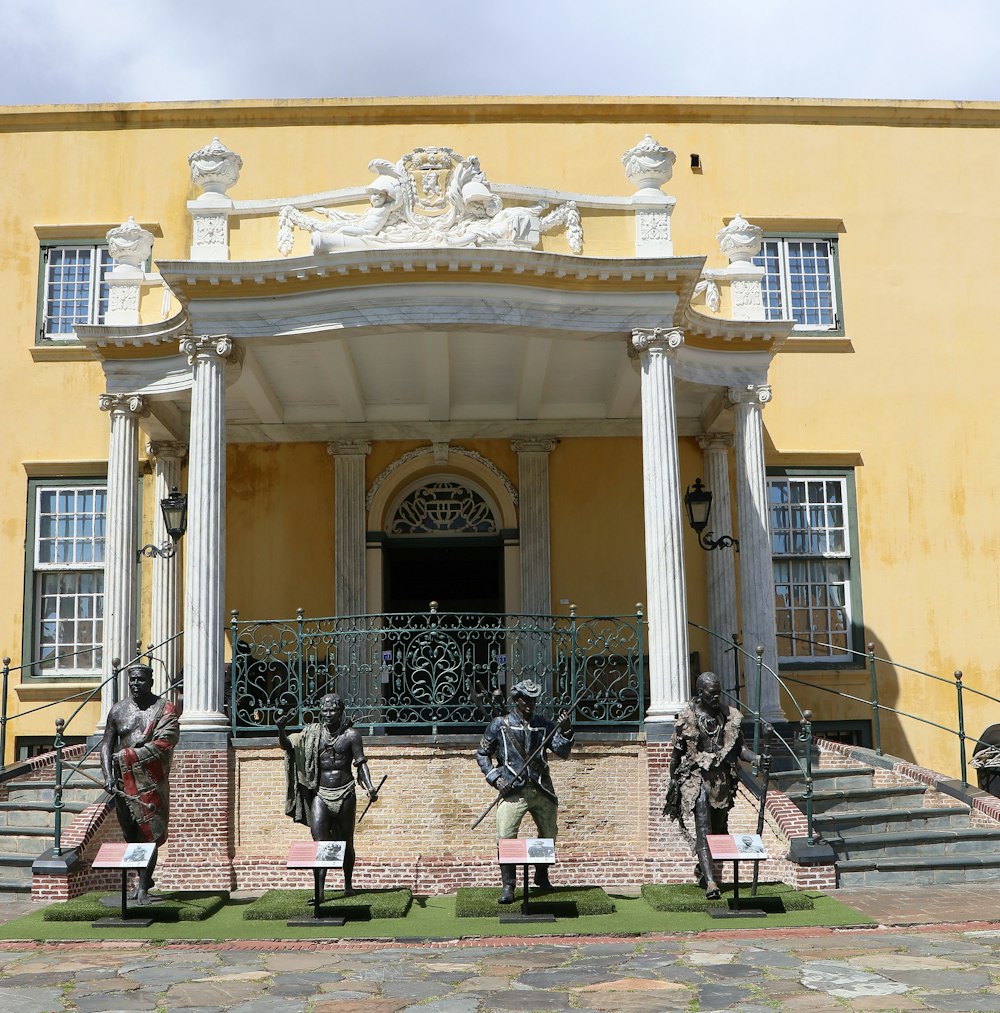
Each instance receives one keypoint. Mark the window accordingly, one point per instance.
(74, 290)
(814, 551)
(66, 532)
(800, 281)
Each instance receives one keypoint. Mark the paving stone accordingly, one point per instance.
(720, 996)
(962, 1003)
(885, 1002)
(264, 1005)
(108, 986)
(296, 961)
(212, 992)
(636, 1002)
(31, 1000)
(635, 985)
(483, 983)
(37, 979)
(145, 1001)
(741, 971)
(526, 1000)
(708, 958)
(349, 985)
(905, 962)
(348, 1006)
(845, 981)
(450, 977)
(467, 1004)
(752, 1007)
(769, 959)
(966, 981)
(415, 990)
(562, 976)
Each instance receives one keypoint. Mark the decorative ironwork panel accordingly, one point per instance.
(436, 670)
(443, 507)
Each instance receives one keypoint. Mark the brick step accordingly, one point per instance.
(41, 791)
(890, 821)
(848, 799)
(926, 845)
(826, 778)
(913, 871)
(34, 814)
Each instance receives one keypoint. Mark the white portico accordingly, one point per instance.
(433, 316)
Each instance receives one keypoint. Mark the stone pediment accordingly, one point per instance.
(430, 197)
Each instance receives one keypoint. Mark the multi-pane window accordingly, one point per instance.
(69, 525)
(74, 289)
(799, 281)
(811, 551)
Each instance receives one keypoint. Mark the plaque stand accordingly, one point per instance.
(112, 856)
(316, 855)
(726, 846)
(524, 851)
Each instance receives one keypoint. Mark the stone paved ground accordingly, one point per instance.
(752, 971)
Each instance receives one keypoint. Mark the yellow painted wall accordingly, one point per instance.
(907, 394)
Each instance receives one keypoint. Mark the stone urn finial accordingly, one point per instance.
(649, 164)
(739, 240)
(215, 168)
(130, 243)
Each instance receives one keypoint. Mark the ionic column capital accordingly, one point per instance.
(124, 404)
(349, 448)
(716, 441)
(208, 346)
(530, 445)
(752, 393)
(657, 339)
(167, 449)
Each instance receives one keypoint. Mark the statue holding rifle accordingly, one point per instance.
(512, 755)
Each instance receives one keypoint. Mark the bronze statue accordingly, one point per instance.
(707, 746)
(512, 756)
(320, 787)
(139, 736)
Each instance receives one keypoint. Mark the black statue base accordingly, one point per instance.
(311, 921)
(122, 923)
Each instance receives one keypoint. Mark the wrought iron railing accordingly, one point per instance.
(436, 670)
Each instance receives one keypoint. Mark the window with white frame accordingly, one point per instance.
(68, 577)
(815, 567)
(74, 289)
(800, 281)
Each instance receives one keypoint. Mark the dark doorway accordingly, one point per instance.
(461, 576)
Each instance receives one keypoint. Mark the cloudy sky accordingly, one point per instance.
(56, 51)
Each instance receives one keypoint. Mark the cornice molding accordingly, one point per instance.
(137, 336)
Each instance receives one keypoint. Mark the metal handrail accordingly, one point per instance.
(877, 707)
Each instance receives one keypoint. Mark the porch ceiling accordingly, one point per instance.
(418, 343)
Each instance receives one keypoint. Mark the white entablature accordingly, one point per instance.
(430, 197)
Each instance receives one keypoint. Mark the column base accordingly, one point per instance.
(204, 721)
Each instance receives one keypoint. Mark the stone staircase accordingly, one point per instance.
(27, 819)
(892, 831)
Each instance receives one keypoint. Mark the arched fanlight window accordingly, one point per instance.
(442, 506)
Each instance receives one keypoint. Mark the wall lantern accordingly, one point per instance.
(175, 509)
(698, 503)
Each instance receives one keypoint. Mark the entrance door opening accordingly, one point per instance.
(461, 575)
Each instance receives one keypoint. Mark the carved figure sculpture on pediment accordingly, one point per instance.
(430, 197)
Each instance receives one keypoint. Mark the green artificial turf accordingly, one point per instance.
(169, 907)
(563, 902)
(280, 905)
(434, 918)
(772, 897)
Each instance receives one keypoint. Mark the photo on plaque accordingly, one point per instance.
(330, 851)
(541, 849)
(750, 845)
(138, 856)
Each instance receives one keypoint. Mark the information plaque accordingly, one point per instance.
(124, 857)
(316, 855)
(736, 848)
(525, 851)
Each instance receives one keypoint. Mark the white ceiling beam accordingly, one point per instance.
(624, 390)
(343, 376)
(437, 360)
(258, 391)
(165, 422)
(534, 368)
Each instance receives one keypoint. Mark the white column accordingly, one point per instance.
(666, 604)
(722, 618)
(350, 529)
(165, 603)
(756, 571)
(205, 542)
(120, 539)
(533, 524)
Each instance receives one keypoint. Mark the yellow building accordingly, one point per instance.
(474, 352)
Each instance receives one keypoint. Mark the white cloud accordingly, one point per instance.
(65, 51)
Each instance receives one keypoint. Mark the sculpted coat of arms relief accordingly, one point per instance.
(430, 197)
